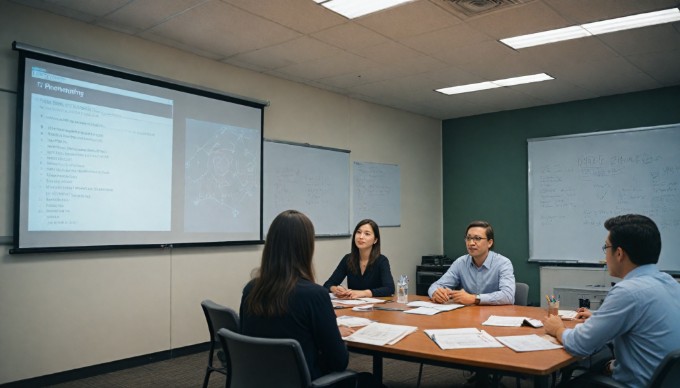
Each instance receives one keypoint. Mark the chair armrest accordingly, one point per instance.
(596, 380)
(334, 377)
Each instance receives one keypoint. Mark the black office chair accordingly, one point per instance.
(272, 362)
(218, 317)
(666, 375)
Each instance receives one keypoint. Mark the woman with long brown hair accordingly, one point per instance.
(284, 302)
(366, 269)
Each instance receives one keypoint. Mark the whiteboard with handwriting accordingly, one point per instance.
(311, 179)
(376, 193)
(576, 182)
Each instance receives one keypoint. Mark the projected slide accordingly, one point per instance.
(101, 158)
(222, 177)
(111, 159)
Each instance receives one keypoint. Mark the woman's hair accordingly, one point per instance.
(354, 257)
(286, 258)
(636, 234)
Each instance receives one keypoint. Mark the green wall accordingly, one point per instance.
(485, 164)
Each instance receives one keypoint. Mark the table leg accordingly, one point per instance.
(542, 381)
(378, 368)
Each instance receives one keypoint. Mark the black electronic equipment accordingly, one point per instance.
(436, 260)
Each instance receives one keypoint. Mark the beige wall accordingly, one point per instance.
(70, 310)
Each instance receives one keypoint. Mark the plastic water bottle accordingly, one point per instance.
(402, 289)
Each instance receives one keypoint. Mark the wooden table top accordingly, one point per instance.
(418, 345)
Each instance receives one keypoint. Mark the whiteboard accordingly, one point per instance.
(310, 179)
(576, 182)
(376, 193)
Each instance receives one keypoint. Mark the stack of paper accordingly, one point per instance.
(429, 308)
(355, 302)
(528, 343)
(381, 334)
(496, 320)
(567, 314)
(462, 338)
(350, 321)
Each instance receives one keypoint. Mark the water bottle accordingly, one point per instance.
(402, 289)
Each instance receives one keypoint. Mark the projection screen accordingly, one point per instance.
(107, 158)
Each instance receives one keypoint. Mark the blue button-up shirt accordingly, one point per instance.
(641, 315)
(494, 281)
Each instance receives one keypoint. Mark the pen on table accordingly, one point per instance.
(435, 340)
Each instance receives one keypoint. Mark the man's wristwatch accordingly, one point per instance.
(478, 299)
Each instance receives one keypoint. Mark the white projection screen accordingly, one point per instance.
(108, 158)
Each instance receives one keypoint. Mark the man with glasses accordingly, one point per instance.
(640, 314)
(480, 277)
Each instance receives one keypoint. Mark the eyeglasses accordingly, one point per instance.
(605, 246)
(475, 239)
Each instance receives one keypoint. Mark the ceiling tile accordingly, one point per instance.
(328, 67)
(141, 15)
(223, 29)
(350, 36)
(410, 19)
(304, 16)
(293, 51)
(534, 16)
(587, 11)
(663, 66)
(643, 40)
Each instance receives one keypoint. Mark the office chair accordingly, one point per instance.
(218, 317)
(521, 294)
(666, 375)
(272, 362)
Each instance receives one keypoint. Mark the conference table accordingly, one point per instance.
(418, 347)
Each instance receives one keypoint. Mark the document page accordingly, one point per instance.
(381, 334)
(440, 307)
(528, 343)
(496, 320)
(462, 338)
(350, 321)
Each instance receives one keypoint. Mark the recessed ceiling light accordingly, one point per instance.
(633, 21)
(596, 28)
(495, 84)
(354, 8)
(545, 37)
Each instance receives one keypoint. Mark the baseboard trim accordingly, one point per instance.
(113, 366)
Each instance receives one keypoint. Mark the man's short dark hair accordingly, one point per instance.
(637, 235)
(482, 224)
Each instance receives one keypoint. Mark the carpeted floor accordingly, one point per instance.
(188, 371)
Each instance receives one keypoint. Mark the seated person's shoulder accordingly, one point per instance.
(310, 288)
(382, 259)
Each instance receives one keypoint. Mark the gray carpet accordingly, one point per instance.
(188, 371)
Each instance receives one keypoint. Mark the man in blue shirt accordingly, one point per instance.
(640, 314)
(480, 277)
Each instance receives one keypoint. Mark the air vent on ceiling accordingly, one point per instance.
(476, 7)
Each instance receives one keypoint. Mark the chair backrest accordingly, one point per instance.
(264, 362)
(667, 374)
(218, 317)
(521, 294)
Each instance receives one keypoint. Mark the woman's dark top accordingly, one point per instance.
(310, 320)
(377, 277)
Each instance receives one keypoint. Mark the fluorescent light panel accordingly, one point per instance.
(596, 28)
(495, 84)
(354, 8)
